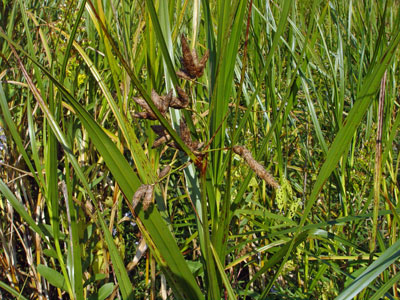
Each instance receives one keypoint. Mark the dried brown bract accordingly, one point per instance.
(145, 192)
(192, 68)
(257, 167)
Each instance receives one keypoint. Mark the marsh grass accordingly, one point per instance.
(199, 150)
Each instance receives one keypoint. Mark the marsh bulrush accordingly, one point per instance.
(192, 68)
(161, 102)
(165, 138)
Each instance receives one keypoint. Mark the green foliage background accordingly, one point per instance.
(309, 87)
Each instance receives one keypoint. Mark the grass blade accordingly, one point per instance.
(387, 258)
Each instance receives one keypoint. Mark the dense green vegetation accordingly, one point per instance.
(261, 165)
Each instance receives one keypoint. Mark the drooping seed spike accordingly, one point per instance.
(256, 166)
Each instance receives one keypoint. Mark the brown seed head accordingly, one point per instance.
(145, 192)
(192, 68)
(256, 166)
(182, 101)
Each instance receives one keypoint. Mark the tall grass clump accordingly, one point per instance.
(199, 149)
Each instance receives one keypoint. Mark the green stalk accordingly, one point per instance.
(213, 290)
(378, 162)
